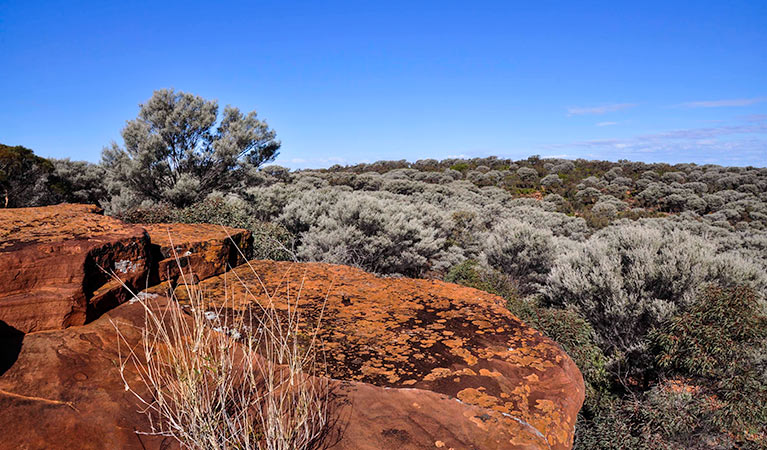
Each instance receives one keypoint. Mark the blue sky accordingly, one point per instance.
(347, 82)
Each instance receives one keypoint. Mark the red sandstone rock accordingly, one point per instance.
(51, 258)
(65, 391)
(427, 335)
(201, 249)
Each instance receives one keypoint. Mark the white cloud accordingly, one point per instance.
(580, 111)
(723, 103)
(606, 124)
(743, 143)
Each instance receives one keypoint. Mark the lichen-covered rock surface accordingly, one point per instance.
(55, 260)
(65, 391)
(424, 335)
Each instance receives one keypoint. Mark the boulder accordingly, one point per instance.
(203, 250)
(57, 263)
(410, 363)
(422, 335)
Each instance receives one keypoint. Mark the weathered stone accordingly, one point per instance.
(203, 250)
(422, 334)
(414, 363)
(64, 390)
(56, 263)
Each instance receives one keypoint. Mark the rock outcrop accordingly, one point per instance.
(56, 261)
(59, 262)
(424, 335)
(64, 390)
(81, 401)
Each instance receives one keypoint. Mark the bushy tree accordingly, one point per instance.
(24, 177)
(78, 181)
(178, 151)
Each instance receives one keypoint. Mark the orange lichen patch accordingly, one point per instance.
(422, 334)
(467, 356)
(476, 397)
(437, 373)
(487, 373)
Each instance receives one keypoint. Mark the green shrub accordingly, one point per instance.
(470, 274)
(720, 342)
(24, 177)
(577, 338)
(460, 167)
(719, 331)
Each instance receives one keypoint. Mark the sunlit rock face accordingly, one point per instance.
(201, 249)
(56, 265)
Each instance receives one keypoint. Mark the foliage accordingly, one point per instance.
(177, 151)
(24, 177)
(470, 273)
(522, 251)
(723, 327)
(628, 280)
(78, 181)
(369, 232)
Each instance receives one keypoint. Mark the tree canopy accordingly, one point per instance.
(178, 151)
(23, 176)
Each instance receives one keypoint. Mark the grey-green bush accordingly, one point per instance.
(177, 150)
(626, 280)
(522, 251)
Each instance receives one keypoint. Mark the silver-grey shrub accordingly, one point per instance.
(551, 180)
(178, 150)
(627, 279)
(522, 251)
(382, 234)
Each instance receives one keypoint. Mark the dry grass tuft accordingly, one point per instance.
(218, 380)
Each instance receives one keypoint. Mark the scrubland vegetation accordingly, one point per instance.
(651, 276)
